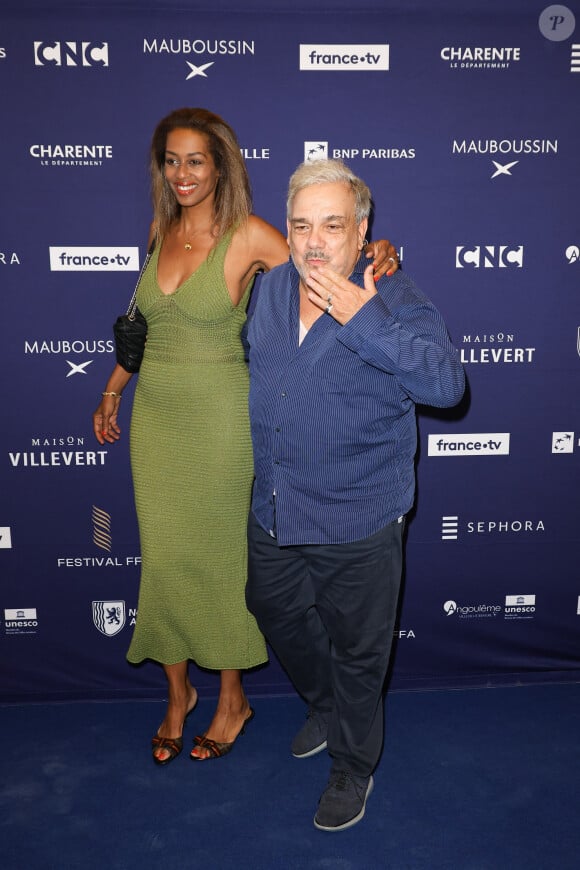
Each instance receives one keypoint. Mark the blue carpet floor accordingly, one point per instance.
(478, 779)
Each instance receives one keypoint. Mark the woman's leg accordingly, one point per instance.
(232, 711)
(182, 699)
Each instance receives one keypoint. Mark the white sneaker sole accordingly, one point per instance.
(352, 821)
(314, 751)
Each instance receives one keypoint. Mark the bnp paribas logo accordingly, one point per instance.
(562, 442)
(102, 529)
(315, 151)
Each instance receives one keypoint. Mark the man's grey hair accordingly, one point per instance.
(330, 172)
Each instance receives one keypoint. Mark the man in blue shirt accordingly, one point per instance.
(337, 364)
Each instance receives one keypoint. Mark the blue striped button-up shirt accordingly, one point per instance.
(333, 420)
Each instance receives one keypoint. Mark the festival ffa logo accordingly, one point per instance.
(109, 617)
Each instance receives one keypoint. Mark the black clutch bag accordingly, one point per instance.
(130, 329)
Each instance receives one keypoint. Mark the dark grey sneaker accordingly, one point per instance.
(312, 736)
(343, 802)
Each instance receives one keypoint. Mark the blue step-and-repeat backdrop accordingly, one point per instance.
(465, 122)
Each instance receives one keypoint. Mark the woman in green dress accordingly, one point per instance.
(191, 455)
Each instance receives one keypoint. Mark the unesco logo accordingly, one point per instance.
(71, 54)
(489, 256)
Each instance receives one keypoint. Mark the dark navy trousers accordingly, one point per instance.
(328, 611)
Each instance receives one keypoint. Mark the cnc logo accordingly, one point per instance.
(90, 259)
(572, 254)
(109, 617)
(71, 54)
(562, 442)
(5, 538)
(479, 57)
(489, 256)
(344, 57)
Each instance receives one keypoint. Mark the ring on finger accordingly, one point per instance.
(329, 308)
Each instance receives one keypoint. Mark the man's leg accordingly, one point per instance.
(357, 589)
(281, 596)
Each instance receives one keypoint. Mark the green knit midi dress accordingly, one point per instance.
(191, 459)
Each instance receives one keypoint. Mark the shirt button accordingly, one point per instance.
(277, 429)
(283, 394)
